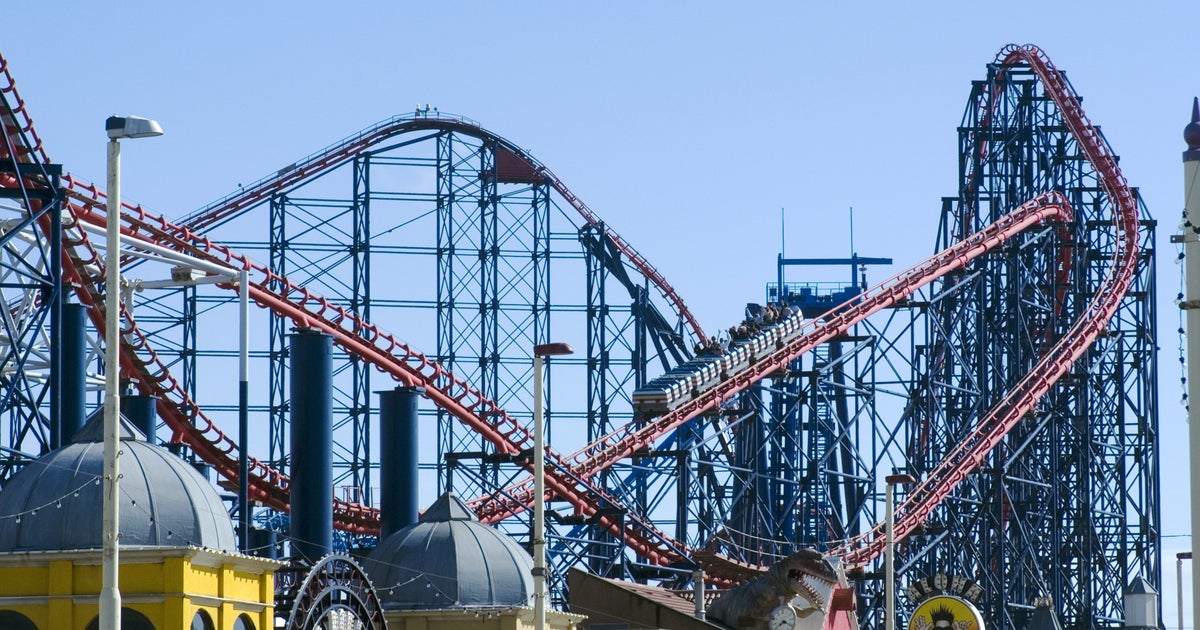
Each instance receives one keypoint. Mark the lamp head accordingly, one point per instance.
(552, 349)
(892, 480)
(121, 127)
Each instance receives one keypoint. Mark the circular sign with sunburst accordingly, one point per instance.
(946, 612)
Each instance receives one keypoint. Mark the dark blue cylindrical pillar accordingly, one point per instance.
(142, 411)
(398, 458)
(264, 543)
(74, 373)
(311, 383)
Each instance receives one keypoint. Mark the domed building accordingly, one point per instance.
(180, 567)
(448, 570)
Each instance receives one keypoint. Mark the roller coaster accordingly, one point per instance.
(1028, 437)
(718, 360)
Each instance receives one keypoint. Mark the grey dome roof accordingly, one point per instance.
(448, 559)
(55, 502)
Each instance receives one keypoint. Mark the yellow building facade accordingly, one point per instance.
(169, 588)
(180, 564)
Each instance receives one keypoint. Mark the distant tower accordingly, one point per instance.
(1141, 605)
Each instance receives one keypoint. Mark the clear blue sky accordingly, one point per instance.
(698, 120)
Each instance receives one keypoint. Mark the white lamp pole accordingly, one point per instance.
(1179, 558)
(539, 482)
(110, 592)
(889, 569)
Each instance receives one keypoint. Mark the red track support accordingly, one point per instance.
(358, 337)
(84, 268)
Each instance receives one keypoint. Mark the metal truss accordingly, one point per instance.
(1067, 505)
(31, 290)
(447, 238)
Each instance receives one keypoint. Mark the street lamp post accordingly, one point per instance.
(117, 128)
(1179, 558)
(889, 569)
(243, 411)
(540, 352)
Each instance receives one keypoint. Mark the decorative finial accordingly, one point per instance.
(1191, 133)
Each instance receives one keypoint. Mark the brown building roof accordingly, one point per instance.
(607, 601)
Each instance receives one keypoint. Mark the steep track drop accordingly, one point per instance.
(968, 454)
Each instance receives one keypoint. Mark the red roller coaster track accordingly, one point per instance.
(569, 477)
(967, 455)
(313, 165)
(84, 270)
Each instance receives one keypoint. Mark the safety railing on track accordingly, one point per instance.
(21, 123)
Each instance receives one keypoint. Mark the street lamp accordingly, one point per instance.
(540, 352)
(118, 128)
(889, 569)
(190, 273)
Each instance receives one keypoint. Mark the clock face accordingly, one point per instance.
(782, 618)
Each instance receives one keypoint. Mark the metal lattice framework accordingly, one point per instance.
(1022, 352)
(1067, 504)
(31, 289)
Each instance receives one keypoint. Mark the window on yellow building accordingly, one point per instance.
(130, 620)
(12, 620)
(202, 621)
